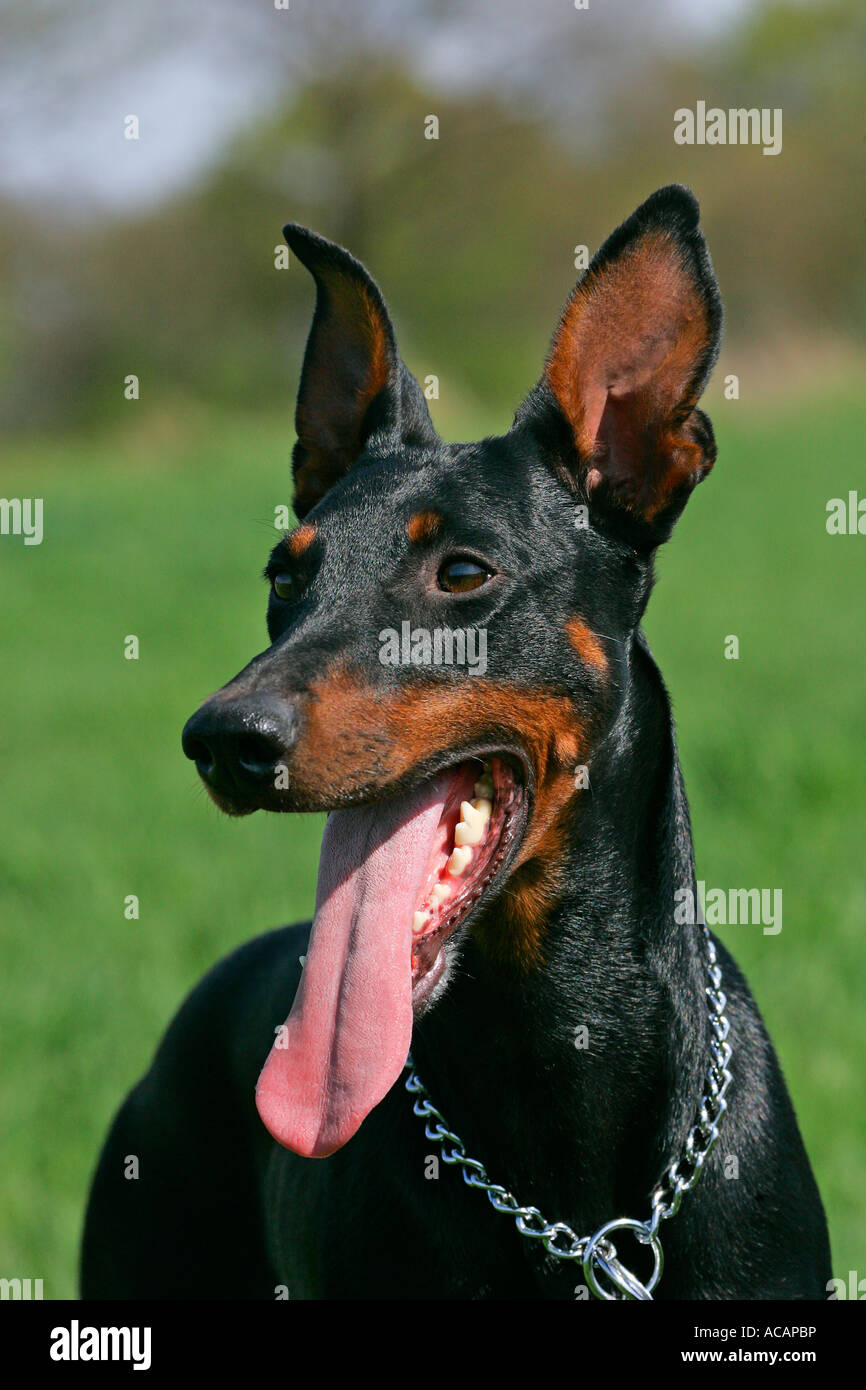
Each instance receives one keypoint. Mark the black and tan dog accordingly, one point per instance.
(500, 871)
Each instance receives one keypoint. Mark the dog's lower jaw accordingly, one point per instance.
(430, 988)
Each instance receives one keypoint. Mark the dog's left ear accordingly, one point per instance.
(355, 389)
(634, 348)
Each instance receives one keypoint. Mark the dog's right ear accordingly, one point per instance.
(354, 387)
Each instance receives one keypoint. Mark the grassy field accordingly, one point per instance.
(160, 532)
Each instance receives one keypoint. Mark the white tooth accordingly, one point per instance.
(439, 893)
(302, 960)
(459, 860)
(483, 805)
(470, 830)
(484, 785)
(419, 922)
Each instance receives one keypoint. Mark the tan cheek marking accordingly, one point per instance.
(354, 735)
(301, 539)
(566, 746)
(586, 644)
(423, 526)
(512, 933)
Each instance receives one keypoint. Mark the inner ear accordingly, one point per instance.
(631, 355)
(353, 384)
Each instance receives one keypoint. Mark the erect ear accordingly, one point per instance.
(629, 360)
(354, 385)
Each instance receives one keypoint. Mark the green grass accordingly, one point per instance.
(160, 531)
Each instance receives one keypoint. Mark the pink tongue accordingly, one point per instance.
(346, 1039)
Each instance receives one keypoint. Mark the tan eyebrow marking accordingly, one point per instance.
(586, 644)
(423, 526)
(300, 540)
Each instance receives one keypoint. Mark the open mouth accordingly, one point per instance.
(397, 879)
(478, 827)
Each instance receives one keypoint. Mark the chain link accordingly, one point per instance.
(598, 1253)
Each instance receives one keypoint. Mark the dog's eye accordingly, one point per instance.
(459, 576)
(283, 586)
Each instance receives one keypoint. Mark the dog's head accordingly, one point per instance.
(451, 627)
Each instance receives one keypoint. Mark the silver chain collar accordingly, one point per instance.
(598, 1252)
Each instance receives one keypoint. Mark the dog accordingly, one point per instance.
(500, 870)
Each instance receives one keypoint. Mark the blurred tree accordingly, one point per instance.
(471, 236)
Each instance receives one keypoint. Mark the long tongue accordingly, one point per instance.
(346, 1039)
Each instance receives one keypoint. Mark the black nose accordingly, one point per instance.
(239, 746)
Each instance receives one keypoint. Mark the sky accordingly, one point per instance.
(198, 73)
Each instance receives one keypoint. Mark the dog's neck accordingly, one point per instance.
(576, 1083)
